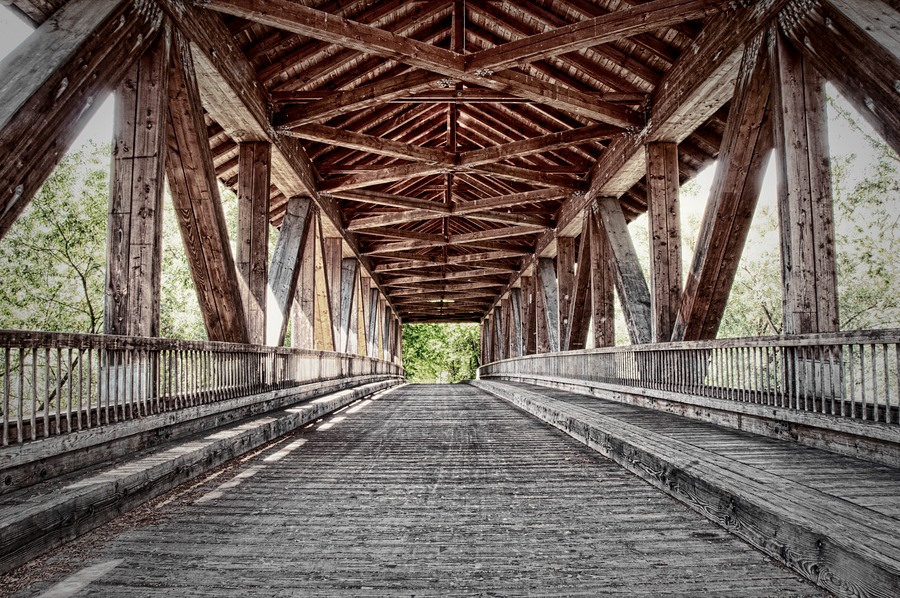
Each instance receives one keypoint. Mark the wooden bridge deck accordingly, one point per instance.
(425, 491)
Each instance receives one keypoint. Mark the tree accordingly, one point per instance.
(53, 260)
(441, 352)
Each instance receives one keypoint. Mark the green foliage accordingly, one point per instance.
(53, 259)
(441, 353)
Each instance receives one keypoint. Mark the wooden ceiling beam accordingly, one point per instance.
(390, 218)
(513, 218)
(464, 274)
(370, 143)
(388, 199)
(544, 143)
(385, 175)
(433, 93)
(613, 26)
(313, 23)
(510, 201)
(527, 175)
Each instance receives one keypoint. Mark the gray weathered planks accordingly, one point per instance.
(433, 491)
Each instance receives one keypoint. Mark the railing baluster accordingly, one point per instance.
(7, 372)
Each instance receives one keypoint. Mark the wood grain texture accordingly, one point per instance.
(505, 505)
(805, 202)
(746, 146)
(52, 83)
(288, 260)
(602, 286)
(665, 238)
(137, 181)
(745, 483)
(252, 246)
(195, 194)
(303, 310)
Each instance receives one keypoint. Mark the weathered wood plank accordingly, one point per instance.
(630, 282)
(52, 84)
(602, 289)
(856, 46)
(370, 143)
(252, 252)
(548, 306)
(665, 238)
(348, 336)
(303, 311)
(746, 146)
(333, 248)
(565, 272)
(137, 182)
(610, 27)
(324, 329)
(515, 310)
(195, 193)
(289, 258)
(579, 312)
(805, 204)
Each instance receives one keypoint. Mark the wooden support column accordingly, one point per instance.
(515, 320)
(665, 238)
(303, 313)
(372, 335)
(195, 193)
(386, 332)
(805, 207)
(602, 309)
(854, 44)
(498, 333)
(579, 314)
(348, 337)
(529, 308)
(333, 256)
(743, 156)
(324, 331)
(548, 306)
(565, 270)
(362, 314)
(53, 83)
(137, 180)
(292, 254)
(630, 282)
(252, 255)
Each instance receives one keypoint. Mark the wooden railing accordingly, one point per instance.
(849, 375)
(52, 383)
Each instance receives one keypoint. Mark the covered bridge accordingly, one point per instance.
(462, 161)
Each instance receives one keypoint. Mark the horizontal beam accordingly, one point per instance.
(370, 143)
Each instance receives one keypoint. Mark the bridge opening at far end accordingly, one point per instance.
(441, 353)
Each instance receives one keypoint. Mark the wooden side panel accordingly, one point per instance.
(580, 306)
(630, 282)
(529, 308)
(324, 332)
(498, 333)
(856, 46)
(372, 333)
(292, 254)
(348, 337)
(602, 309)
(805, 206)
(743, 156)
(303, 313)
(53, 83)
(252, 255)
(137, 181)
(665, 238)
(548, 316)
(565, 271)
(195, 193)
(362, 315)
(386, 332)
(333, 256)
(515, 314)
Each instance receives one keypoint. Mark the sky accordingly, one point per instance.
(842, 139)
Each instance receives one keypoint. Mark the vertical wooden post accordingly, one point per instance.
(362, 315)
(579, 315)
(290, 251)
(324, 333)
(602, 311)
(665, 238)
(386, 331)
(349, 267)
(630, 282)
(333, 256)
(548, 306)
(499, 352)
(805, 206)
(565, 271)
(252, 255)
(372, 335)
(515, 309)
(134, 252)
(529, 328)
(303, 313)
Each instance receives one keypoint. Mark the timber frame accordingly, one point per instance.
(463, 160)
